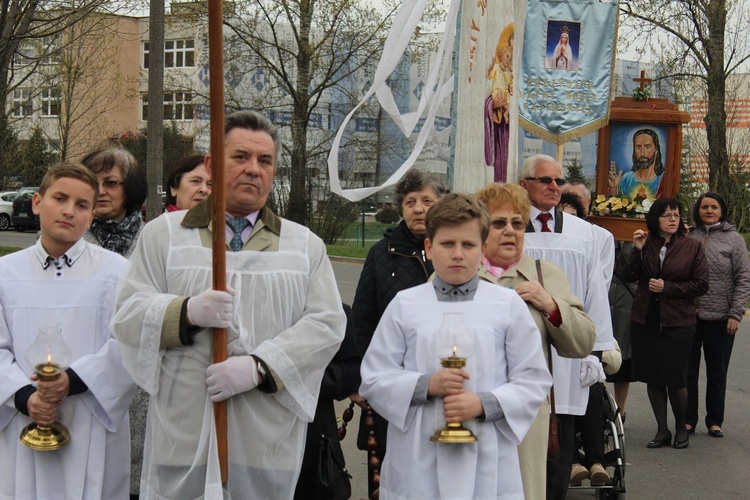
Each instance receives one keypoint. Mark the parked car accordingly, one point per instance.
(8, 195)
(6, 211)
(23, 217)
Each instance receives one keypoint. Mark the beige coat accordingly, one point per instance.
(573, 339)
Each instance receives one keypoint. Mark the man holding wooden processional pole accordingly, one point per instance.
(284, 324)
(228, 427)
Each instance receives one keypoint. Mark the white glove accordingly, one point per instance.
(591, 371)
(233, 376)
(211, 309)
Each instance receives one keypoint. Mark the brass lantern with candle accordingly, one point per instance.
(48, 356)
(453, 345)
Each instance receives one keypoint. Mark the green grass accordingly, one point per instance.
(333, 250)
(7, 250)
(347, 251)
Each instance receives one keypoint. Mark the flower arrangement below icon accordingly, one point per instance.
(614, 206)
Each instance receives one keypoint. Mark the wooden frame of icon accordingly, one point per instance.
(647, 133)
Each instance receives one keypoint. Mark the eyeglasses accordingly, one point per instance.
(111, 183)
(515, 224)
(670, 216)
(547, 180)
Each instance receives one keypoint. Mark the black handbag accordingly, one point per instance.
(333, 480)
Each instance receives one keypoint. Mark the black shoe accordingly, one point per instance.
(681, 445)
(658, 443)
(715, 433)
(691, 430)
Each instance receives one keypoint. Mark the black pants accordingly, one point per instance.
(558, 471)
(591, 427)
(712, 338)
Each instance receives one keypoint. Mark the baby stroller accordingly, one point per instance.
(614, 450)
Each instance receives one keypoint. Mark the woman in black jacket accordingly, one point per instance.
(395, 263)
(671, 272)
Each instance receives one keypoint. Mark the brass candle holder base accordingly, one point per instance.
(43, 438)
(40, 437)
(453, 432)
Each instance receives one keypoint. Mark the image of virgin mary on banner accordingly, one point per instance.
(567, 65)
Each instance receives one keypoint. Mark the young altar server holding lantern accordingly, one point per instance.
(496, 394)
(56, 302)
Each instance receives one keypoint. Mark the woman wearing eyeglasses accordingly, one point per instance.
(116, 225)
(122, 191)
(671, 272)
(557, 312)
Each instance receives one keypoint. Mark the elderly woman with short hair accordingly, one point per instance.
(188, 183)
(395, 263)
(558, 313)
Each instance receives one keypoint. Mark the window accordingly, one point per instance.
(22, 102)
(51, 101)
(51, 50)
(177, 106)
(23, 54)
(145, 55)
(179, 53)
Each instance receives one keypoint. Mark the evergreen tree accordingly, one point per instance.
(10, 155)
(176, 146)
(575, 170)
(36, 157)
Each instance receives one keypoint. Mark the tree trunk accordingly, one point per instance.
(155, 126)
(299, 201)
(716, 118)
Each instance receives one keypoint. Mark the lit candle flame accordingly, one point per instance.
(49, 358)
(455, 348)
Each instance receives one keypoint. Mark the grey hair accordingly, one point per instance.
(252, 120)
(416, 180)
(528, 169)
(579, 182)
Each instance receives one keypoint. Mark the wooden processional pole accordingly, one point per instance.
(218, 208)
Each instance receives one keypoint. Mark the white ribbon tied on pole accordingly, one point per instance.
(439, 85)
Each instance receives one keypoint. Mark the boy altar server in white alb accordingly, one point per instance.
(65, 281)
(498, 393)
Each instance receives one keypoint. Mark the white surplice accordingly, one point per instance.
(507, 362)
(287, 312)
(96, 462)
(578, 250)
(606, 253)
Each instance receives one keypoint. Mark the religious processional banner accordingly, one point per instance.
(565, 80)
(484, 106)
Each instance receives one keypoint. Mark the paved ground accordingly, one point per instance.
(709, 469)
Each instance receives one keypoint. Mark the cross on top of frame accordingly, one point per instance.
(643, 80)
